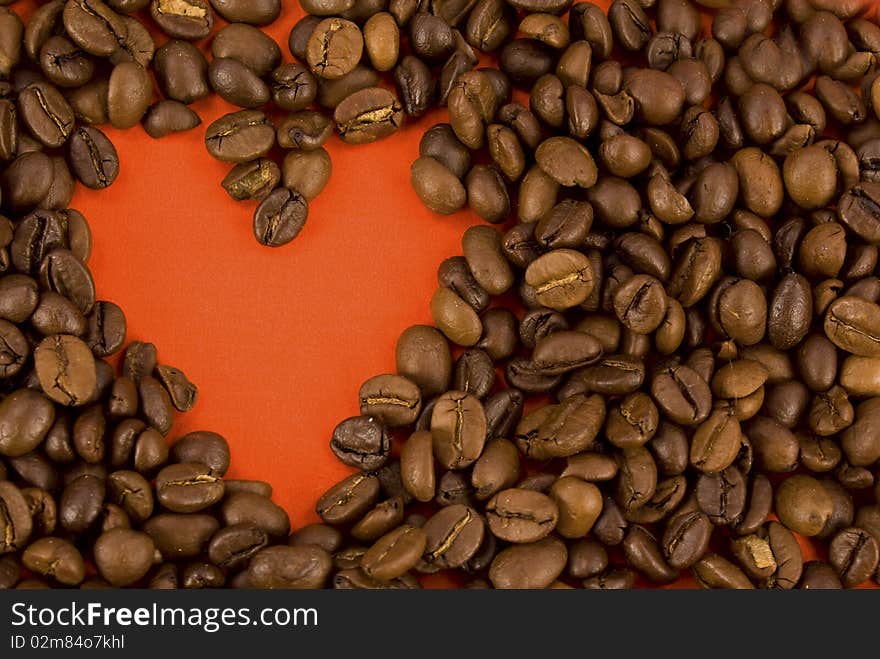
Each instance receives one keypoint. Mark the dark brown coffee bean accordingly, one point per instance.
(93, 158)
(188, 487)
(80, 503)
(237, 84)
(181, 536)
(714, 571)
(181, 71)
(361, 442)
(819, 575)
(561, 430)
(643, 552)
(233, 546)
(854, 554)
(280, 217)
(789, 312)
(253, 12)
(208, 448)
(137, 548)
(182, 392)
(722, 496)
(853, 325)
(15, 518)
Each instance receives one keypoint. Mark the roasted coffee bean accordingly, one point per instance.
(789, 312)
(93, 158)
(307, 172)
(362, 442)
(236, 83)
(178, 536)
(853, 325)
(181, 71)
(182, 392)
(253, 180)
(183, 19)
(57, 559)
(128, 95)
(454, 535)
(15, 518)
(348, 500)
(803, 504)
(722, 496)
(368, 115)
(395, 553)
(66, 369)
(207, 448)
(80, 503)
(334, 48)
(438, 187)
(521, 516)
(714, 571)
(561, 430)
(240, 136)
(819, 575)
(280, 217)
(533, 565)
(46, 113)
(188, 487)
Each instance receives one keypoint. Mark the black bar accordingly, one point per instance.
(457, 624)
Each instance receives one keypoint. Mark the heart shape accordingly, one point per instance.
(278, 341)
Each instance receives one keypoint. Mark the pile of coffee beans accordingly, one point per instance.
(667, 359)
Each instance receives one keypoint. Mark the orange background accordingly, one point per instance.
(278, 341)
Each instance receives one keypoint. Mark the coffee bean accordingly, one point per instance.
(188, 487)
(240, 136)
(819, 576)
(178, 536)
(395, 553)
(15, 518)
(66, 369)
(850, 325)
(367, 115)
(253, 180)
(181, 71)
(534, 565)
(136, 547)
(361, 442)
(236, 83)
(437, 187)
(254, 12)
(803, 505)
(307, 172)
(55, 558)
(334, 48)
(280, 217)
(454, 535)
(458, 427)
(80, 503)
(93, 158)
(183, 19)
(181, 391)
